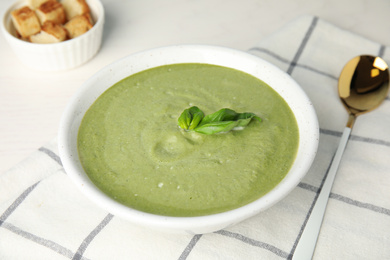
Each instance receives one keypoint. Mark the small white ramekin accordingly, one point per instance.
(111, 74)
(56, 56)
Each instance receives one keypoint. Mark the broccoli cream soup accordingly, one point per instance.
(132, 148)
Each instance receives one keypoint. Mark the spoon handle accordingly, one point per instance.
(307, 242)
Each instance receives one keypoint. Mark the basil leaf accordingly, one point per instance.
(226, 126)
(216, 127)
(245, 118)
(221, 121)
(197, 116)
(185, 119)
(190, 118)
(224, 114)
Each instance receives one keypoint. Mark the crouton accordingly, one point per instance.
(25, 21)
(34, 4)
(78, 25)
(74, 8)
(51, 33)
(51, 10)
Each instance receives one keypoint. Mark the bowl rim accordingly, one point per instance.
(224, 56)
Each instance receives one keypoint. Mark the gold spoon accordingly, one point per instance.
(363, 85)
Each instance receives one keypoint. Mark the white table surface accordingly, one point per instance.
(32, 102)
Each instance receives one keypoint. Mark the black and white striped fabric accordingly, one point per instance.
(44, 216)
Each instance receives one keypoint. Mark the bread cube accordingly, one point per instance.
(34, 4)
(75, 8)
(51, 33)
(79, 25)
(51, 10)
(25, 21)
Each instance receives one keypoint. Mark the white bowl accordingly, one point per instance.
(108, 76)
(56, 56)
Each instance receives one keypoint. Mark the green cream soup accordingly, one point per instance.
(131, 147)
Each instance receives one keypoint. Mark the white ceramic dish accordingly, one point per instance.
(108, 76)
(56, 56)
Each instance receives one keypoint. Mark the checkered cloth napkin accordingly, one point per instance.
(44, 216)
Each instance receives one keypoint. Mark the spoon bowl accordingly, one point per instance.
(363, 85)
